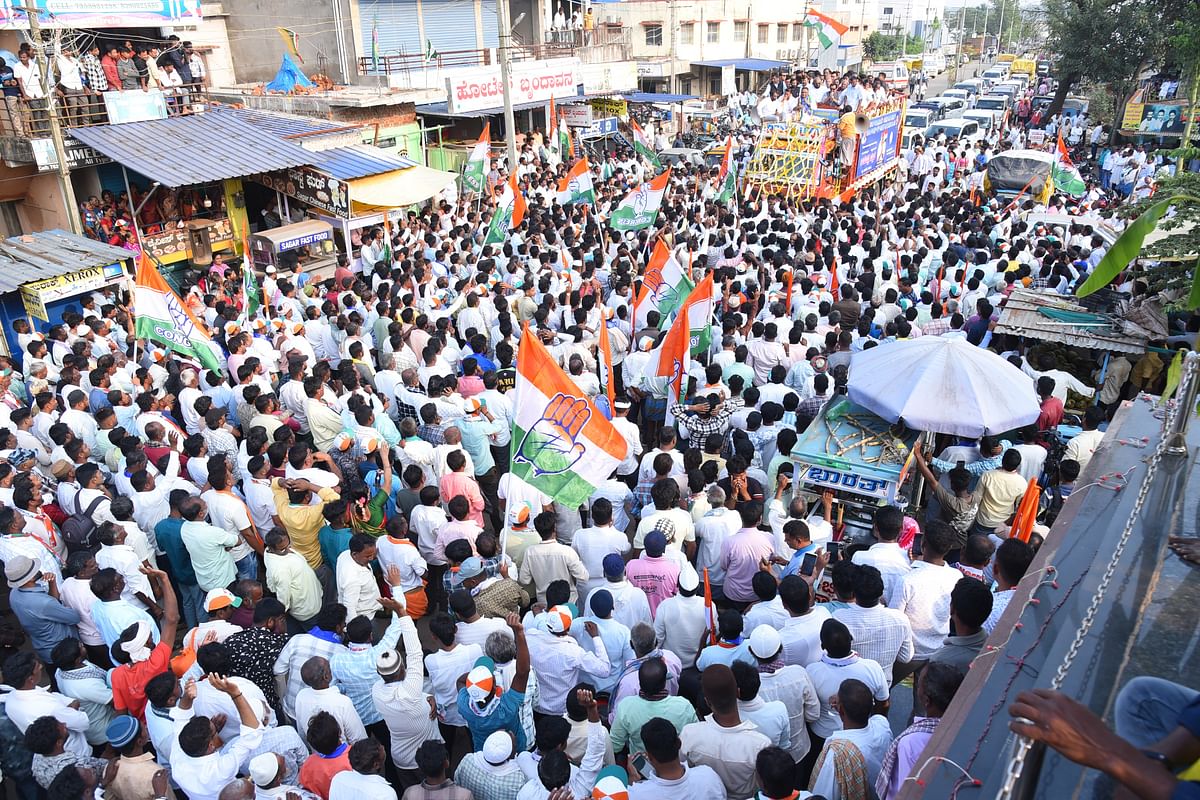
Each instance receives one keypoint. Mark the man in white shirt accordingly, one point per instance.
(886, 554)
(801, 633)
(671, 776)
(363, 781)
(558, 659)
(594, 543)
(881, 634)
(924, 593)
(864, 728)
(724, 741)
(27, 702)
(319, 695)
(198, 763)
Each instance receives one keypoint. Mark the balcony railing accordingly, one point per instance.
(30, 119)
(415, 62)
(601, 44)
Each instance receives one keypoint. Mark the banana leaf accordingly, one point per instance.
(1126, 248)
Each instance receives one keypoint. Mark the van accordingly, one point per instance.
(973, 86)
(894, 74)
(993, 102)
(942, 106)
(994, 74)
(960, 128)
(961, 94)
(920, 118)
(935, 63)
(1011, 90)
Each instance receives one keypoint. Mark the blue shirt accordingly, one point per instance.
(98, 399)
(333, 542)
(46, 620)
(114, 616)
(169, 533)
(475, 431)
(793, 566)
(354, 671)
(724, 654)
(506, 717)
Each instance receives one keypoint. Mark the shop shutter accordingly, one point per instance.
(449, 24)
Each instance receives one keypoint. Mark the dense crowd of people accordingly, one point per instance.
(312, 572)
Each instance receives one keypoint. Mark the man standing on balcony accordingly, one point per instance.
(70, 85)
(96, 80)
(29, 78)
(12, 99)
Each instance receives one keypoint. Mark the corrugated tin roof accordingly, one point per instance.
(289, 125)
(197, 148)
(1021, 316)
(359, 161)
(48, 254)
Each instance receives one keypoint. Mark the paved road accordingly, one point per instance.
(942, 82)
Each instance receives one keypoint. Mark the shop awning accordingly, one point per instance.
(748, 64)
(397, 189)
(196, 148)
(443, 109)
(359, 161)
(49, 254)
(657, 97)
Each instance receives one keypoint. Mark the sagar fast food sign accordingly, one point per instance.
(530, 82)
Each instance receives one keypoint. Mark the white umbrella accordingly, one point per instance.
(943, 385)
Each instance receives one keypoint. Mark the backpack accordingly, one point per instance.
(79, 529)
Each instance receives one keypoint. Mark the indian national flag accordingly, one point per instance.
(561, 443)
(576, 186)
(475, 172)
(250, 285)
(160, 316)
(640, 207)
(727, 179)
(1066, 177)
(641, 143)
(664, 286)
(827, 27)
(509, 212)
(566, 146)
(698, 309)
(670, 360)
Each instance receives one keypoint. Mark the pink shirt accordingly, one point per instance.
(657, 577)
(449, 532)
(453, 484)
(740, 558)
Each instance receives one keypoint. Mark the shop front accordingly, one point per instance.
(44, 275)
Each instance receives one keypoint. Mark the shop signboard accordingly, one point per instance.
(79, 155)
(303, 241)
(36, 294)
(609, 107)
(135, 106)
(167, 245)
(101, 13)
(529, 82)
(576, 115)
(310, 186)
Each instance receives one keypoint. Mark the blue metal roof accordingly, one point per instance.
(657, 97)
(197, 148)
(359, 161)
(751, 64)
(289, 125)
(442, 109)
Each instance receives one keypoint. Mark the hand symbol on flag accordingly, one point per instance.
(550, 446)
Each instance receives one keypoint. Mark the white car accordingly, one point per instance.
(960, 128)
(988, 120)
(961, 94)
(993, 102)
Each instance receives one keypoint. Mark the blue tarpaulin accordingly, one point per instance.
(288, 77)
(657, 97)
(750, 64)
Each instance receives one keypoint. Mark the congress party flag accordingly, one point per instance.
(670, 360)
(664, 286)
(827, 27)
(576, 186)
(640, 207)
(160, 316)
(476, 170)
(250, 288)
(698, 309)
(509, 212)
(727, 178)
(562, 444)
(642, 144)
(1066, 177)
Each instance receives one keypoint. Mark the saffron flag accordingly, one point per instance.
(664, 286)
(476, 170)
(552, 130)
(827, 27)
(727, 178)
(561, 444)
(640, 207)
(160, 316)
(642, 145)
(509, 212)
(698, 310)
(1066, 177)
(606, 369)
(576, 186)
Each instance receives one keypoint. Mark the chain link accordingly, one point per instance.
(1017, 763)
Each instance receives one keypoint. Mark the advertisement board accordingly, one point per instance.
(880, 144)
(101, 13)
(576, 115)
(36, 294)
(529, 82)
(135, 106)
(172, 245)
(310, 186)
(610, 107)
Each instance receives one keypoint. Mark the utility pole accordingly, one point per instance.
(962, 19)
(510, 124)
(983, 47)
(56, 136)
(1000, 32)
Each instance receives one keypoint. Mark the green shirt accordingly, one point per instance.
(376, 516)
(636, 711)
(334, 542)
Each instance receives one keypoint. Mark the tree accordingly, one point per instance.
(880, 47)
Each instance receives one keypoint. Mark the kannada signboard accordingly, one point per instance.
(837, 479)
(529, 82)
(172, 245)
(312, 187)
(36, 294)
(78, 154)
(101, 13)
(880, 144)
(576, 115)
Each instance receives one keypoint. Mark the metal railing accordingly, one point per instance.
(415, 62)
(30, 119)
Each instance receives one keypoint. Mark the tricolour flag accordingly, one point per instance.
(664, 287)
(509, 212)
(476, 170)
(576, 186)
(561, 443)
(250, 289)
(641, 144)
(375, 44)
(159, 315)
(431, 53)
(1066, 177)
(640, 207)
(698, 309)
(670, 360)
(727, 178)
(827, 27)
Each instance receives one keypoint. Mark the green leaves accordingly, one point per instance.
(1125, 249)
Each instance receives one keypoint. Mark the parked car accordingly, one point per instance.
(960, 128)
(993, 102)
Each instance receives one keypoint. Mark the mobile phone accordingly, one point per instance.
(808, 564)
(641, 765)
(835, 551)
(916, 545)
